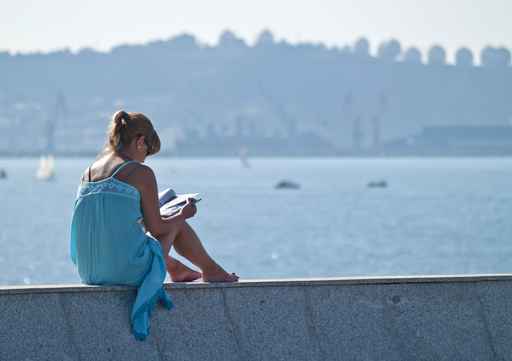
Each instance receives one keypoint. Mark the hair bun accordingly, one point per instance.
(120, 117)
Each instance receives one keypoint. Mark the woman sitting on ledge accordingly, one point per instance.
(110, 246)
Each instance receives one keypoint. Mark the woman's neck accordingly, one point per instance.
(127, 154)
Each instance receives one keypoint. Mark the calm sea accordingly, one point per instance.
(436, 216)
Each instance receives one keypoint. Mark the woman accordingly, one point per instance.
(108, 243)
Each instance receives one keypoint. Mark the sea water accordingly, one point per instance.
(436, 216)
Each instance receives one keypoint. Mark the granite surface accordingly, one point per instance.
(379, 318)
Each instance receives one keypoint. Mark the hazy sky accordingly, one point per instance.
(27, 25)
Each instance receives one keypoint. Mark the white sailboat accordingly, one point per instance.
(46, 170)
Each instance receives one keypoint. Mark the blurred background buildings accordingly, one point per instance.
(271, 98)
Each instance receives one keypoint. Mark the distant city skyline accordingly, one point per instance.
(29, 25)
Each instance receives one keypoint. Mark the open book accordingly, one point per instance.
(171, 203)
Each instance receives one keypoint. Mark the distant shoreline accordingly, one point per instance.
(279, 156)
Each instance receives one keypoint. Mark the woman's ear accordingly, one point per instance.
(140, 143)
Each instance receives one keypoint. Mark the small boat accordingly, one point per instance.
(377, 184)
(46, 170)
(287, 184)
(3, 173)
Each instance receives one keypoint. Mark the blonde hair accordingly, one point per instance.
(125, 127)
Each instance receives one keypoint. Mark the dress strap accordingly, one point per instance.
(121, 166)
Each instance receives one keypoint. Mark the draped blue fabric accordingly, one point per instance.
(110, 247)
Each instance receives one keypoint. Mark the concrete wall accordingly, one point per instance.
(415, 318)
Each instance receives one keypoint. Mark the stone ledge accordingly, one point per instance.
(328, 281)
(441, 318)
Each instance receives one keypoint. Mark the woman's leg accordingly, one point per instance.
(166, 240)
(188, 244)
(177, 270)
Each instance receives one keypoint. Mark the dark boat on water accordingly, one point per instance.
(377, 184)
(286, 184)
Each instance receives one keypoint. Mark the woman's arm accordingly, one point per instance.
(145, 182)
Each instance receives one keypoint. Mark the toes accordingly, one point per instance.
(232, 277)
(221, 277)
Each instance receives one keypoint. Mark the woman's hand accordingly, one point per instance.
(190, 209)
(144, 180)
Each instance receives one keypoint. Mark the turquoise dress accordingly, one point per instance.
(110, 247)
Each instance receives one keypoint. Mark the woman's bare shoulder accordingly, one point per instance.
(98, 169)
(144, 170)
(143, 174)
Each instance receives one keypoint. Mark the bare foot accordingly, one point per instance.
(179, 272)
(217, 274)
